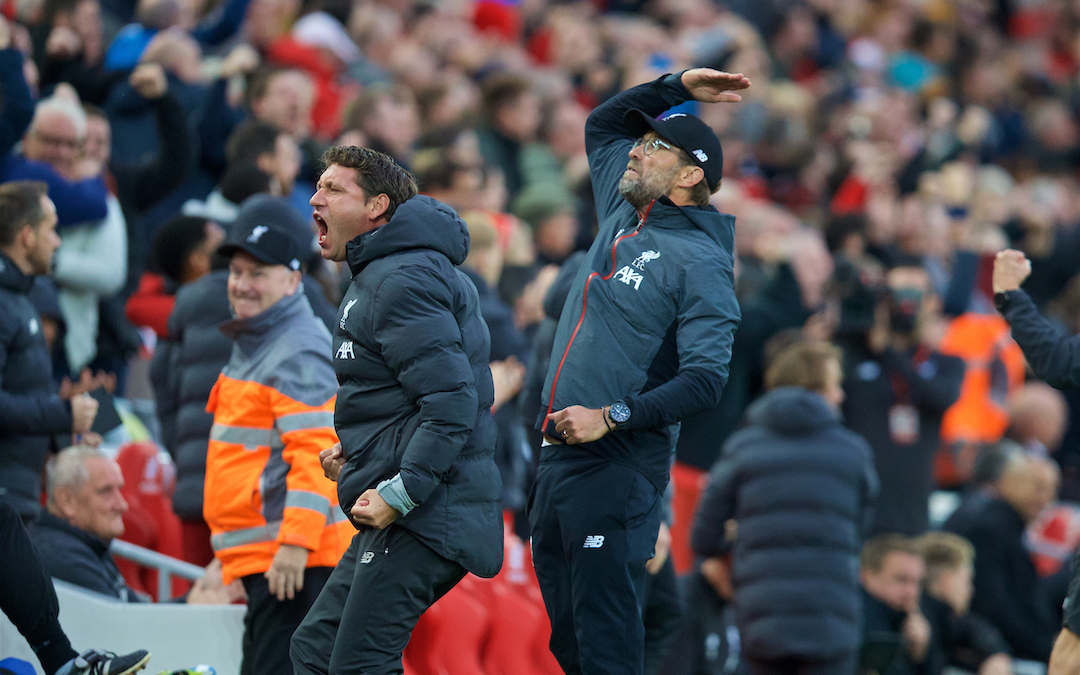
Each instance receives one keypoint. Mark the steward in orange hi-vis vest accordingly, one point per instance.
(273, 407)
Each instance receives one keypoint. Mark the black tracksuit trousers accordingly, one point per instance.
(270, 623)
(369, 606)
(594, 526)
(27, 595)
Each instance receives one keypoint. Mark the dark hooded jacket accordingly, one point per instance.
(800, 487)
(30, 410)
(411, 355)
(651, 316)
(183, 371)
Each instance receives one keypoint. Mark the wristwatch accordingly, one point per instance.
(1001, 299)
(619, 413)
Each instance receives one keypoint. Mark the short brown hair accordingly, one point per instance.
(376, 173)
(20, 205)
(877, 549)
(944, 552)
(500, 89)
(803, 364)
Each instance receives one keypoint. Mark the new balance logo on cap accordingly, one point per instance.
(700, 154)
(256, 234)
(594, 541)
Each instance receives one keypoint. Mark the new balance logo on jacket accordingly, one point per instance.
(594, 541)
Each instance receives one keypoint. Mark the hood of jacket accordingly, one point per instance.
(792, 411)
(12, 278)
(251, 332)
(419, 223)
(719, 226)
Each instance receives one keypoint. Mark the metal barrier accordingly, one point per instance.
(165, 565)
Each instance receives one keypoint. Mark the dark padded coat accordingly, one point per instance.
(801, 488)
(411, 355)
(80, 558)
(30, 410)
(184, 370)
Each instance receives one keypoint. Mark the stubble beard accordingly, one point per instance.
(643, 189)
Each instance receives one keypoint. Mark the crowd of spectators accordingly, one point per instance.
(885, 152)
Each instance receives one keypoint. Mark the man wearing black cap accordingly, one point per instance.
(643, 342)
(273, 515)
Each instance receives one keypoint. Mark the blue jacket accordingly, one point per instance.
(800, 487)
(651, 316)
(76, 203)
(411, 354)
(30, 410)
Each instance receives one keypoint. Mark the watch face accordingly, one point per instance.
(619, 412)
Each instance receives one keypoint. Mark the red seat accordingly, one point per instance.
(149, 521)
(517, 625)
(449, 637)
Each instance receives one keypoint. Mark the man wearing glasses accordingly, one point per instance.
(51, 152)
(644, 341)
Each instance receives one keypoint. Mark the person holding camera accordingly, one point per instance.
(898, 388)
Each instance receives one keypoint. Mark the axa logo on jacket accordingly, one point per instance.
(345, 350)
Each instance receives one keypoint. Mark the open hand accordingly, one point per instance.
(714, 86)
(286, 574)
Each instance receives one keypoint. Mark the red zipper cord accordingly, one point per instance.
(585, 305)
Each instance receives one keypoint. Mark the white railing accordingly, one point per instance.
(166, 566)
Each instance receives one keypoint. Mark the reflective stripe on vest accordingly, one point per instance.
(305, 420)
(269, 532)
(308, 500)
(249, 437)
(250, 535)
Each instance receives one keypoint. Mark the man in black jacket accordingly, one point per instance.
(800, 488)
(30, 410)
(28, 599)
(414, 467)
(1008, 590)
(1054, 356)
(644, 341)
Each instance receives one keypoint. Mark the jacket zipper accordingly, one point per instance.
(585, 304)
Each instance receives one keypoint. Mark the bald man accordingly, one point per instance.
(1008, 591)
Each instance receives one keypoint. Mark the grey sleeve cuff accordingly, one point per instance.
(392, 490)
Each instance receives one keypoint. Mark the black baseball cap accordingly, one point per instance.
(687, 132)
(265, 229)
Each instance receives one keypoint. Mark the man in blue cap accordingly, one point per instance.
(644, 341)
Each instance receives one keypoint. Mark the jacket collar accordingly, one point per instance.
(719, 226)
(12, 278)
(96, 543)
(250, 333)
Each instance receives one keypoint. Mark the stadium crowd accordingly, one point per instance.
(887, 150)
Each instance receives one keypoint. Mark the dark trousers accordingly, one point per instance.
(27, 595)
(844, 664)
(270, 623)
(366, 613)
(594, 526)
(662, 613)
